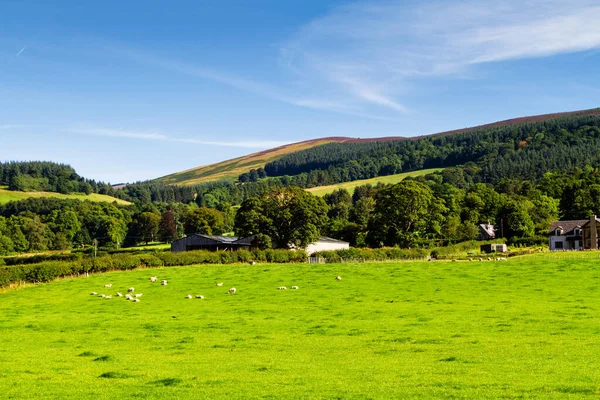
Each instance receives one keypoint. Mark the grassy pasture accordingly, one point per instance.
(526, 328)
(389, 179)
(9, 195)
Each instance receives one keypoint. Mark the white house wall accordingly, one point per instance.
(565, 244)
(325, 246)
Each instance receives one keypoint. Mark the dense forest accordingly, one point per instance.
(523, 151)
(36, 176)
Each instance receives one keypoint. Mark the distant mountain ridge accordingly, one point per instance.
(231, 169)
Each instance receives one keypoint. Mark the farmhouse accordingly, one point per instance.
(579, 234)
(486, 232)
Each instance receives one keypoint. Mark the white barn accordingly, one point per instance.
(326, 244)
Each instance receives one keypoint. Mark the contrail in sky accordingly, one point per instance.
(17, 55)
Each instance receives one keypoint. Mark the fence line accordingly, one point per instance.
(322, 260)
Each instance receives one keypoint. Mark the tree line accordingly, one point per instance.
(48, 177)
(423, 212)
(40, 224)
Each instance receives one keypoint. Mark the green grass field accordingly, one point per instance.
(8, 195)
(349, 186)
(526, 328)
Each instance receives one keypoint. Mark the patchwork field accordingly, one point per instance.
(389, 179)
(9, 195)
(526, 328)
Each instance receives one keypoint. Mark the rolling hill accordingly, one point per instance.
(231, 169)
(9, 195)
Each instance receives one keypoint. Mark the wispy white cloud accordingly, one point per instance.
(21, 51)
(153, 136)
(374, 50)
(17, 55)
(13, 126)
(282, 93)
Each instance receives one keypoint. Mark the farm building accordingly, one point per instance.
(579, 234)
(493, 248)
(325, 244)
(212, 243)
(230, 243)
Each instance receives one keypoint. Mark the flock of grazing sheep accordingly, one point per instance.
(136, 297)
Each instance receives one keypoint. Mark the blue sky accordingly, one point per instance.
(133, 90)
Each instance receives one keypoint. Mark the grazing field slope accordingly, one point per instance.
(388, 179)
(231, 169)
(8, 195)
(525, 328)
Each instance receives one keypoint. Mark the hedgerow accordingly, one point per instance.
(49, 270)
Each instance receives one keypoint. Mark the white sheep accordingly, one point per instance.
(282, 288)
(200, 297)
(295, 288)
(119, 294)
(138, 295)
(136, 300)
(153, 279)
(220, 284)
(163, 282)
(189, 296)
(128, 296)
(232, 290)
(108, 297)
(93, 294)
(101, 295)
(130, 290)
(108, 285)
(338, 278)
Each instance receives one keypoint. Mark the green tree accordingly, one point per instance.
(36, 233)
(401, 214)
(361, 211)
(204, 220)
(291, 217)
(148, 223)
(65, 221)
(518, 219)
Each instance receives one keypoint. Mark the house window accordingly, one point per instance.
(577, 232)
(558, 245)
(559, 231)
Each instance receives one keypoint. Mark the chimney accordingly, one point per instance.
(593, 233)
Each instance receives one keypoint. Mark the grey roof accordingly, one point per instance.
(222, 239)
(326, 239)
(568, 226)
(226, 239)
(488, 228)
